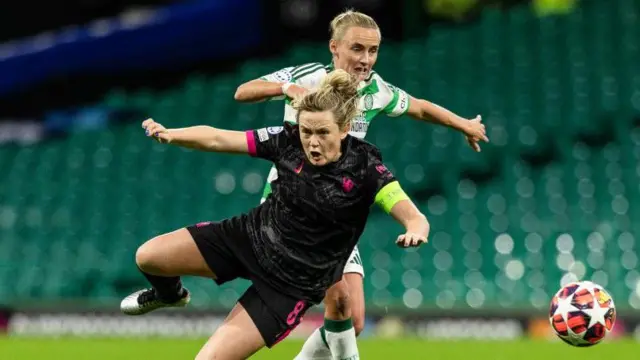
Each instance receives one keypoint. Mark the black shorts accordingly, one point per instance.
(226, 248)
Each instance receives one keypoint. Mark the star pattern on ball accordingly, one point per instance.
(565, 307)
(597, 314)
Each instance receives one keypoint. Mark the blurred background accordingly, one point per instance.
(550, 200)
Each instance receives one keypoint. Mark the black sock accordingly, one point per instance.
(168, 288)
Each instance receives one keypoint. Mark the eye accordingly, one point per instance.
(356, 48)
(373, 50)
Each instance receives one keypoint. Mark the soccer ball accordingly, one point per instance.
(582, 313)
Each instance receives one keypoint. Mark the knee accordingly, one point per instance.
(146, 258)
(337, 301)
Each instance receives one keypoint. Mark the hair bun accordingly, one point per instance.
(342, 83)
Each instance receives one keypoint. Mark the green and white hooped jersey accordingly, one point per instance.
(376, 95)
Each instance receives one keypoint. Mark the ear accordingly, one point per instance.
(333, 47)
(345, 131)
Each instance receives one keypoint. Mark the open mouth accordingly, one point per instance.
(315, 155)
(361, 71)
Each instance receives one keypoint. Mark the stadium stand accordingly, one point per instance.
(548, 200)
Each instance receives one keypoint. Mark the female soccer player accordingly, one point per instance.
(295, 245)
(354, 45)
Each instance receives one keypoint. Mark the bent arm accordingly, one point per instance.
(207, 138)
(407, 214)
(392, 199)
(421, 109)
(258, 90)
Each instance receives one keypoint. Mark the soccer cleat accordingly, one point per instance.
(146, 300)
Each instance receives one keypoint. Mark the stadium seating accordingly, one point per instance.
(545, 202)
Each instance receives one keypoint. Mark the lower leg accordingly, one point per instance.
(237, 338)
(338, 325)
(316, 347)
(162, 260)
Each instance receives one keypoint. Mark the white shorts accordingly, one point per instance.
(354, 264)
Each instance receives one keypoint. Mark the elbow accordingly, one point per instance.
(211, 139)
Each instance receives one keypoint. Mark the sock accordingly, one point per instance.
(169, 289)
(315, 348)
(341, 338)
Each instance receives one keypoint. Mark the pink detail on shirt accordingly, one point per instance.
(347, 184)
(251, 143)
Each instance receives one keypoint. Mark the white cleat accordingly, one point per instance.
(146, 300)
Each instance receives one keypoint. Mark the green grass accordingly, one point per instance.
(370, 349)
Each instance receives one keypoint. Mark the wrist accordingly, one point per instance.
(285, 87)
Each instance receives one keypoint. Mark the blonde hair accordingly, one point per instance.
(337, 93)
(347, 19)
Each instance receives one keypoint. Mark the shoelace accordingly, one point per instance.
(147, 297)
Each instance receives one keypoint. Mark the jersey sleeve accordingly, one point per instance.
(398, 100)
(268, 143)
(384, 186)
(305, 75)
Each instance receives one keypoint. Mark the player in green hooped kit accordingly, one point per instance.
(354, 44)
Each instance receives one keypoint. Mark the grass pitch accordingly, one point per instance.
(12, 348)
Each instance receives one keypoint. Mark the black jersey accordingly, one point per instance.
(305, 230)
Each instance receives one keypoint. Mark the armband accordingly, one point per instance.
(390, 195)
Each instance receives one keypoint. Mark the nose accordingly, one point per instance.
(365, 59)
(313, 141)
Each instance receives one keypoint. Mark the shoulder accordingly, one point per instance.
(383, 85)
(366, 151)
(296, 72)
(308, 71)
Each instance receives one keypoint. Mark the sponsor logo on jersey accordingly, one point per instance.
(359, 124)
(262, 135)
(273, 130)
(368, 101)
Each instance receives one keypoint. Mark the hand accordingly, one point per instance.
(157, 131)
(475, 132)
(293, 91)
(410, 240)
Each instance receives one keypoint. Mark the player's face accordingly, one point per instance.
(320, 137)
(357, 52)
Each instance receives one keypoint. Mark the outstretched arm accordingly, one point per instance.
(205, 138)
(259, 90)
(474, 130)
(273, 86)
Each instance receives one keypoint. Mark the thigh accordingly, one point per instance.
(226, 248)
(173, 254)
(354, 264)
(275, 314)
(236, 339)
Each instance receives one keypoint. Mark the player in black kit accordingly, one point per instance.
(292, 247)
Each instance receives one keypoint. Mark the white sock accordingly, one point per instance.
(341, 338)
(315, 348)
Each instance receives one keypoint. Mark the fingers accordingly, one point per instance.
(155, 130)
(410, 240)
(478, 132)
(474, 144)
